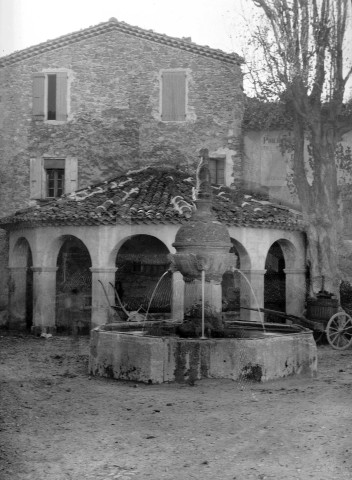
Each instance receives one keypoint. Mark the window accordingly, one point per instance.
(217, 171)
(55, 177)
(173, 96)
(52, 177)
(50, 96)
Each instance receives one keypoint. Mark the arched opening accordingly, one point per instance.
(73, 288)
(275, 282)
(231, 286)
(21, 286)
(140, 262)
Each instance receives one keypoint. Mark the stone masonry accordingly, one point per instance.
(113, 122)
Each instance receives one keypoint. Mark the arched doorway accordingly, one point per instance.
(275, 282)
(140, 262)
(73, 288)
(21, 286)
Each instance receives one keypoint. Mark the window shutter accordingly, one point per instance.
(71, 174)
(36, 178)
(221, 172)
(38, 95)
(173, 96)
(61, 96)
(212, 168)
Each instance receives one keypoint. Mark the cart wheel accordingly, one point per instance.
(339, 331)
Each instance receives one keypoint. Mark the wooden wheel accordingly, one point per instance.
(339, 331)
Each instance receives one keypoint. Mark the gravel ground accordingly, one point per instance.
(58, 423)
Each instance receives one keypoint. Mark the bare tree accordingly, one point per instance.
(301, 43)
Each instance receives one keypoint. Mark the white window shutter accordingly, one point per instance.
(38, 95)
(36, 178)
(61, 96)
(71, 174)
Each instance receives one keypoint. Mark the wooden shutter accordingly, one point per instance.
(173, 96)
(71, 174)
(36, 178)
(212, 168)
(220, 172)
(217, 171)
(38, 95)
(61, 96)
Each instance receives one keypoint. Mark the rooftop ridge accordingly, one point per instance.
(111, 25)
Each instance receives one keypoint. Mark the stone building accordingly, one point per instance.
(91, 106)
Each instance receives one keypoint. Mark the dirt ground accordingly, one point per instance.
(59, 423)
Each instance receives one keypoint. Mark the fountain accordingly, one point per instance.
(203, 345)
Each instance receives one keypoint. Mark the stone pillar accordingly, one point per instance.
(212, 294)
(102, 299)
(177, 297)
(295, 290)
(17, 298)
(252, 296)
(44, 299)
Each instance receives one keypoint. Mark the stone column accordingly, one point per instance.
(17, 298)
(212, 294)
(177, 297)
(44, 299)
(295, 290)
(252, 296)
(102, 299)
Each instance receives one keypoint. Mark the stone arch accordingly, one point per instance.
(141, 260)
(290, 276)
(73, 286)
(232, 281)
(21, 286)
(275, 281)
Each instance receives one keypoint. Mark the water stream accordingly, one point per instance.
(234, 269)
(261, 319)
(153, 294)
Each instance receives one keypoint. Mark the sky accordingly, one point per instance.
(216, 23)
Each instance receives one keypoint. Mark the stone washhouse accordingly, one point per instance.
(81, 109)
(65, 256)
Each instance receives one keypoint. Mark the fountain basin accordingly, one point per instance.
(127, 353)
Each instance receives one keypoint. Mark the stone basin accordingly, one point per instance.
(126, 352)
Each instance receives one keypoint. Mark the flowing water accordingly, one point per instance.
(261, 319)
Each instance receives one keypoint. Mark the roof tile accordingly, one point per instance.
(168, 200)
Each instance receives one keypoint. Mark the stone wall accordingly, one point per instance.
(113, 114)
(113, 119)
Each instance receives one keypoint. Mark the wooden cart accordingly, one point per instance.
(337, 330)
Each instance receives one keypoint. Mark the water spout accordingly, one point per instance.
(203, 337)
(234, 269)
(153, 294)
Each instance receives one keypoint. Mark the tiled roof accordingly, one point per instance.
(152, 196)
(122, 27)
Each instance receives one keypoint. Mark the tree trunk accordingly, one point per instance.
(320, 205)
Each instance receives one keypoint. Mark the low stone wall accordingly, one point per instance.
(136, 357)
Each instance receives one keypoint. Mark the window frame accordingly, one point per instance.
(39, 180)
(40, 96)
(218, 161)
(58, 182)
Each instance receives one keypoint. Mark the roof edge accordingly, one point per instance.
(123, 27)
